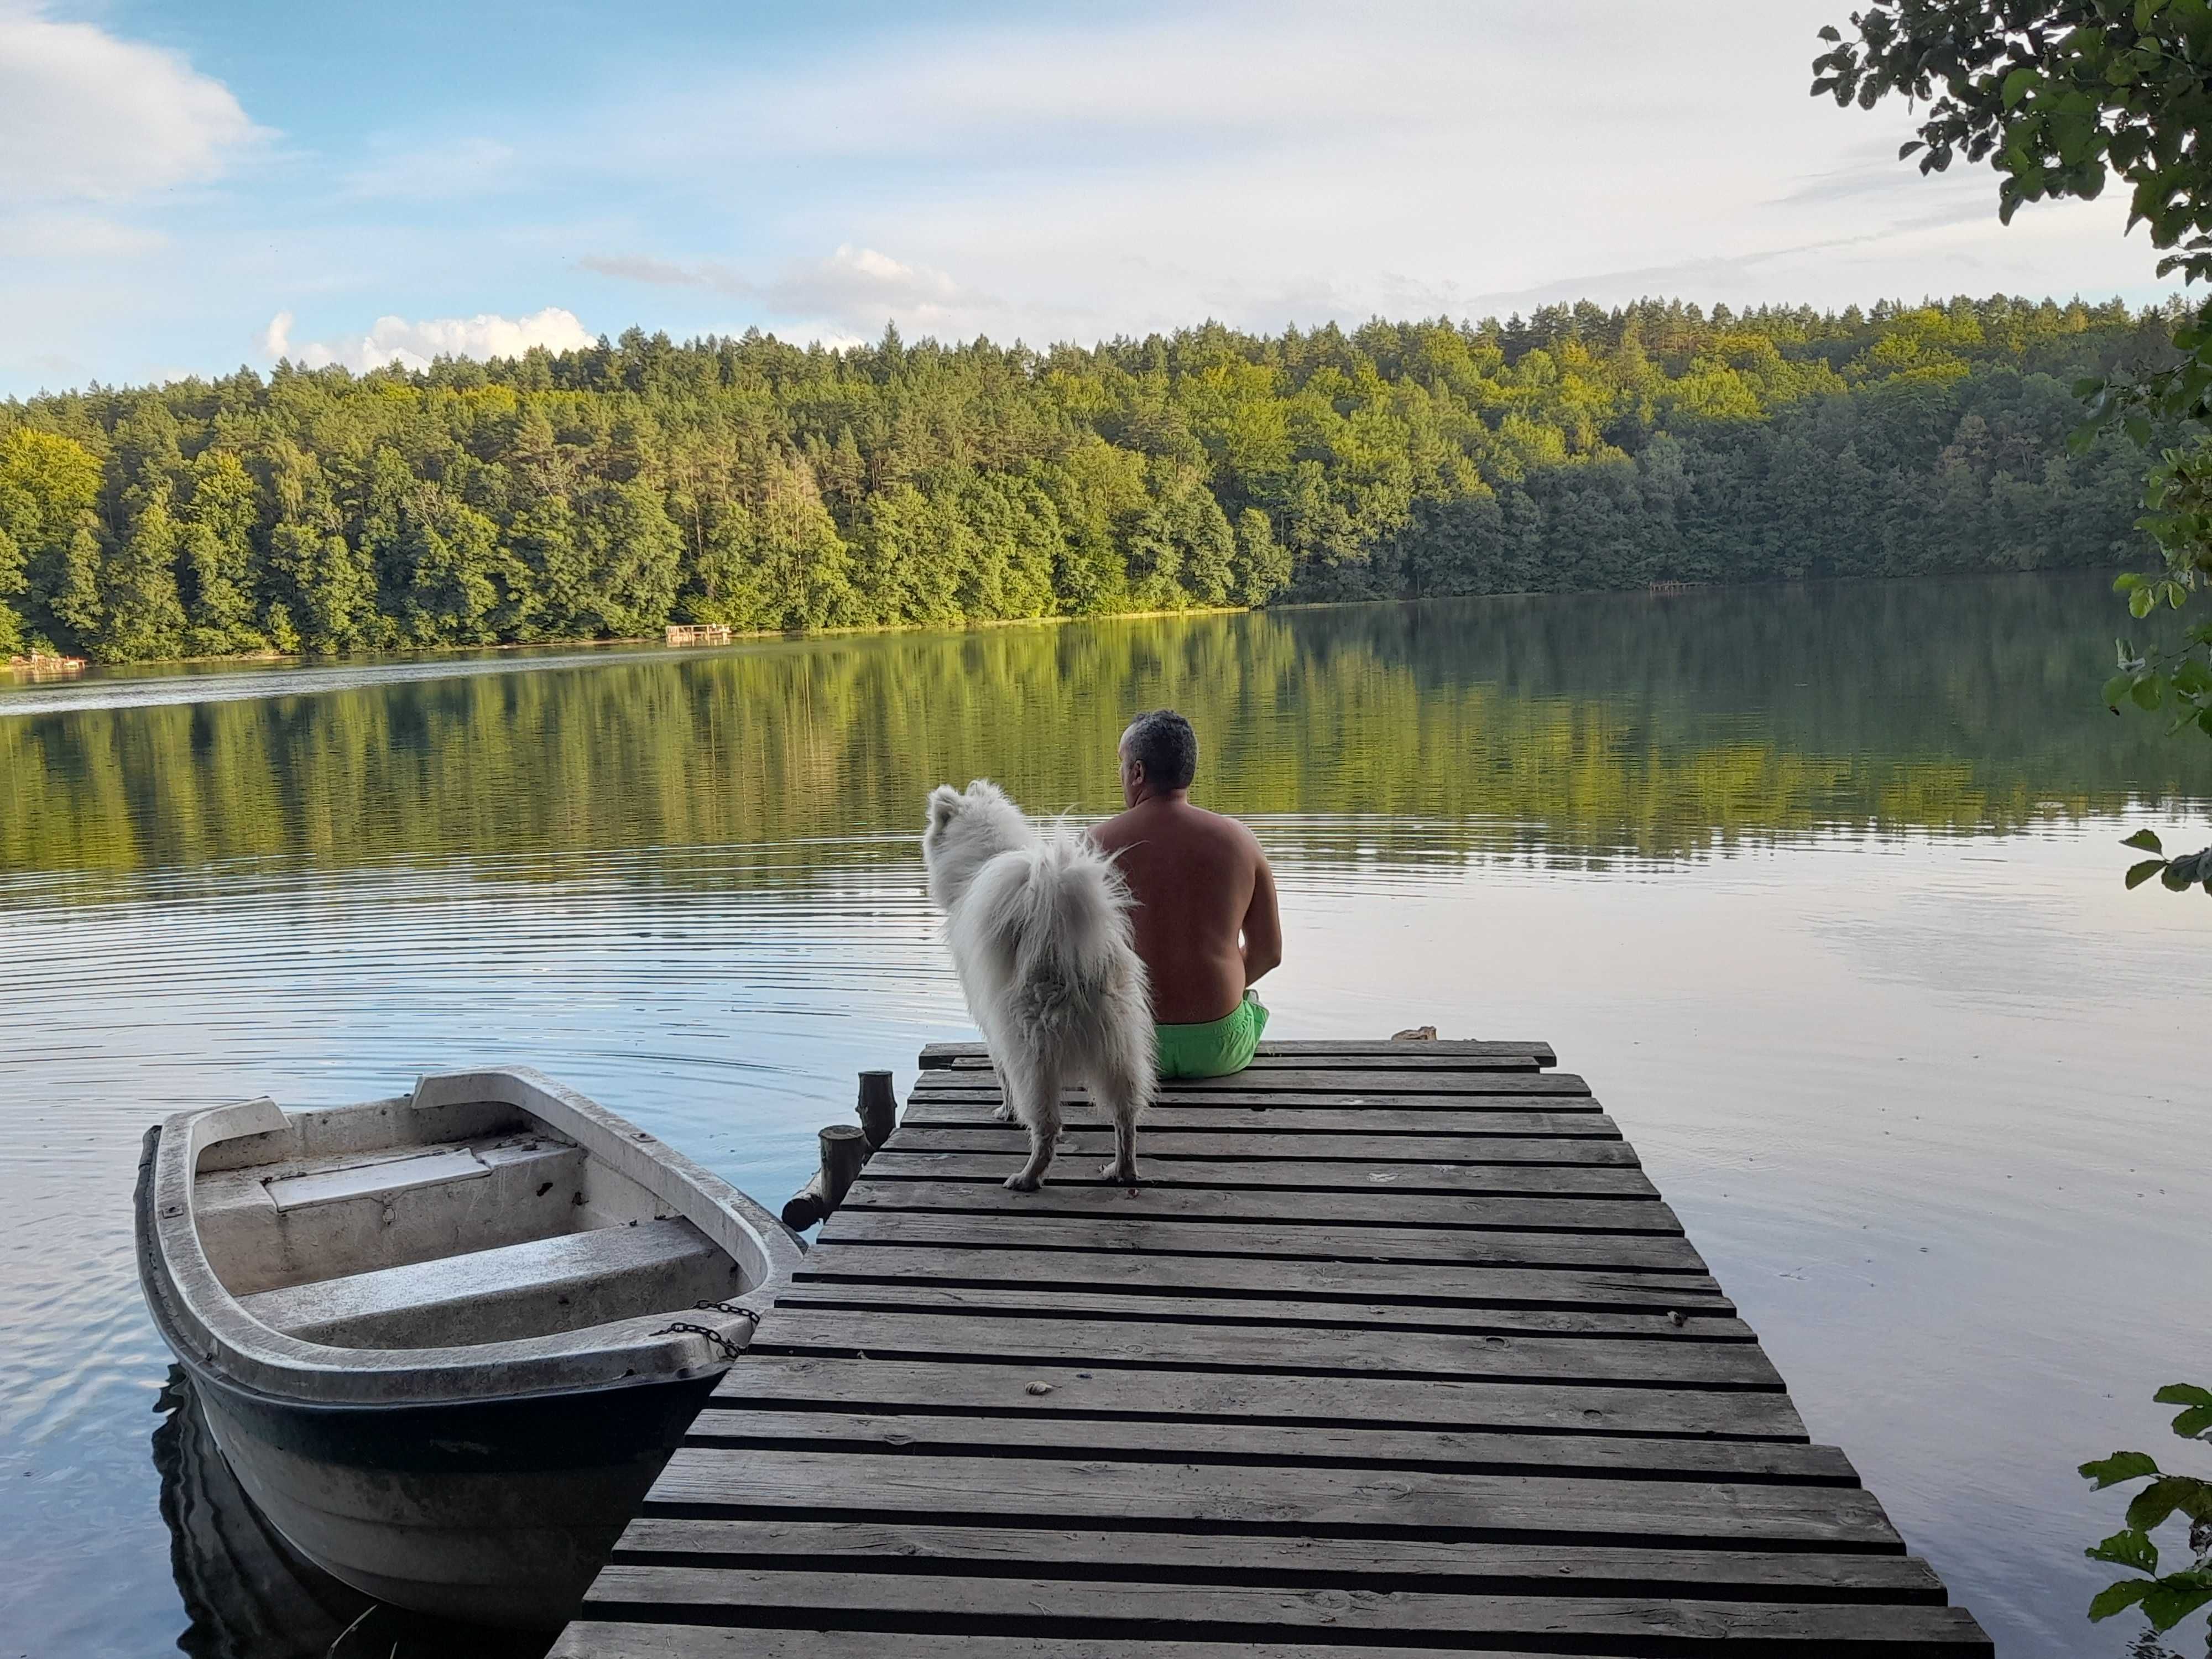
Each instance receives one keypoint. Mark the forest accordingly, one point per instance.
(605, 492)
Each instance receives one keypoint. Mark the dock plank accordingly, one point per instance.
(1626, 1252)
(940, 1056)
(1316, 1283)
(1428, 1117)
(1303, 1176)
(1172, 1142)
(1696, 1322)
(1081, 1389)
(799, 1329)
(1478, 1568)
(1394, 1348)
(1341, 1083)
(913, 1435)
(1513, 1213)
(1148, 1611)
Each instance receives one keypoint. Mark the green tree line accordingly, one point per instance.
(603, 493)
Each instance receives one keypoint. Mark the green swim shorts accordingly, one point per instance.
(1218, 1047)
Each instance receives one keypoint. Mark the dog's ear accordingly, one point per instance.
(944, 805)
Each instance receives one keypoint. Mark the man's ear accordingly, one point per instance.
(945, 804)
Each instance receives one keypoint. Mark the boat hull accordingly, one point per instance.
(493, 1512)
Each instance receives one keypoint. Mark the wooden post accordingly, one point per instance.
(878, 1108)
(844, 1149)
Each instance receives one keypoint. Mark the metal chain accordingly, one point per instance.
(730, 1350)
(739, 1309)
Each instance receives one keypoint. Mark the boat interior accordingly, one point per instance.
(387, 1226)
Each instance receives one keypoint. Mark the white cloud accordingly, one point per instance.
(85, 116)
(854, 288)
(395, 340)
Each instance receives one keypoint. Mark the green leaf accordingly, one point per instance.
(2017, 83)
(2140, 602)
(2140, 874)
(2182, 1394)
(2116, 689)
(2192, 1423)
(2149, 688)
(2118, 1598)
(2120, 1466)
(2167, 1603)
(2127, 1548)
(2127, 581)
(2151, 1506)
(2146, 841)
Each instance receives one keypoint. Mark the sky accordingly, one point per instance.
(185, 188)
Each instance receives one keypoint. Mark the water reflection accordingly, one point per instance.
(248, 1595)
(1650, 727)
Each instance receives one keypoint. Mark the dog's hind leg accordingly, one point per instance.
(1034, 1092)
(1122, 1097)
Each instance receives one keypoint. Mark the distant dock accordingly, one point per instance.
(1397, 1349)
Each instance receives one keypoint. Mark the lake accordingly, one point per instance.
(1820, 886)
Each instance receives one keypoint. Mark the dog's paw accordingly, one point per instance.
(1023, 1181)
(1003, 1112)
(1120, 1175)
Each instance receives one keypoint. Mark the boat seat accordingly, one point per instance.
(564, 1283)
(311, 1220)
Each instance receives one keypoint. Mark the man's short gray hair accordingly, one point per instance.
(1162, 742)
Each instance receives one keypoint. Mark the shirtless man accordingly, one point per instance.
(1206, 920)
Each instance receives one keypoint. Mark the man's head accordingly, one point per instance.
(1159, 756)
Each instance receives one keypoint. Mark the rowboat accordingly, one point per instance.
(447, 1340)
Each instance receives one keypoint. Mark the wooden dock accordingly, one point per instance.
(1398, 1348)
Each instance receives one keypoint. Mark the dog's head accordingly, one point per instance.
(967, 828)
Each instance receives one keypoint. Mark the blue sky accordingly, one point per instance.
(186, 188)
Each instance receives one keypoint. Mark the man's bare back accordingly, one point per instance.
(1206, 920)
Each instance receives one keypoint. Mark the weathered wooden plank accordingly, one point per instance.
(812, 1382)
(1239, 1205)
(1052, 1492)
(1074, 1168)
(940, 1056)
(1349, 1084)
(1468, 1567)
(1694, 1323)
(1427, 1119)
(1417, 1286)
(1110, 1346)
(640, 1637)
(1407, 1061)
(1275, 1445)
(1630, 1252)
(1170, 1142)
(1142, 1612)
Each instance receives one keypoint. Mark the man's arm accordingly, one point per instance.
(1263, 926)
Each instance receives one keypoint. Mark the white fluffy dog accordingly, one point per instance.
(1039, 928)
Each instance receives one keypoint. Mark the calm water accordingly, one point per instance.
(1818, 887)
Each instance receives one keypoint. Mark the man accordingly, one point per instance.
(1206, 920)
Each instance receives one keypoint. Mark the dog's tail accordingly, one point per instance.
(1065, 929)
